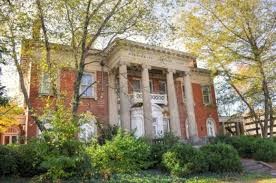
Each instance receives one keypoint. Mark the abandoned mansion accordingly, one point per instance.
(146, 89)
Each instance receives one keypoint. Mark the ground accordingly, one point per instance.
(158, 178)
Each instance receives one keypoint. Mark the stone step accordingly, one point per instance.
(273, 173)
(248, 162)
(254, 167)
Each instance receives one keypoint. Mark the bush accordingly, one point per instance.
(265, 150)
(243, 144)
(30, 158)
(222, 158)
(161, 146)
(123, 154)
(183, 159)
(8, 157)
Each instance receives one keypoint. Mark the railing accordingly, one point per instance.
(137, 97)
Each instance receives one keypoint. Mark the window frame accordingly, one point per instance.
(162, 81)
(209, 94)
(213, 123)
(93, 87)
(10, 139)
(151, 85)
(140, 84)
(42, 85)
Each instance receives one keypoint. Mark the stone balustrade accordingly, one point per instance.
(137, 97)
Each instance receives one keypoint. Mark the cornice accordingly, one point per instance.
(119, 43)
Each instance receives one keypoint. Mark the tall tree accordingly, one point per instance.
(76, 24)
(85, 22)
(237, 39)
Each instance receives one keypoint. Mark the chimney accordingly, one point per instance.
(36, 29)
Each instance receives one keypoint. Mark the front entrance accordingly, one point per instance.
(159, 122)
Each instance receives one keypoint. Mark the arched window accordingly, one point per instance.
(211, 132)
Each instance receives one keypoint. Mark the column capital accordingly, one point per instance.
(122, 63)
(187, 73)
(146, 66)
(171, 70)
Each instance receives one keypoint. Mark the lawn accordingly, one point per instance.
(159, 178)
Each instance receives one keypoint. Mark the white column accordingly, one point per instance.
(112, 99)
(193, 134)
(173, 106)
(124, 99)
(147, 102)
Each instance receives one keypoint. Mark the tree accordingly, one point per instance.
(8, 116)
(85, 22)
(237, 39)
(77, 24)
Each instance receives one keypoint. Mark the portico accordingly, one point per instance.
(173, 64)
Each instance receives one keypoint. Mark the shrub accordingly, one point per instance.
(265, 150)
(243, 144)
(161, 146)
(106, 133)
(30, 158)
(183, 159)
(64, 152)
(123, 154)
(222, 158)
(8, 157)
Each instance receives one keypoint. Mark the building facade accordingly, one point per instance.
(146, 89)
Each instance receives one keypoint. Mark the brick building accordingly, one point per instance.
(149, 89)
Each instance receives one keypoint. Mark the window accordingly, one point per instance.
(151, 86)
(136, 85)
(210, 127)
(162, 87)
(45, 85)
(206, 94)
(86, 86)
(183, 92)
(10, 139)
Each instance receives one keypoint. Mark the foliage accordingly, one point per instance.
(8, 116)
(251, 147)
(8, 158)
(222, 158)
(106, 133)
(30, 157)
(236, 39)
(183, 159)
(65, 156)
(123, 154)
(3, 99)
(243, 144)
(161, 146)
(265, 150)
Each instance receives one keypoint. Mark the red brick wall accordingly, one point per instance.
(202, 112)
(181, 108)
(98, 106)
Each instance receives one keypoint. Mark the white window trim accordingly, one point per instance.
(210, 94)
(214, 125)
(161, 81)
(140, 81)
(94, 86)
(10, 138)
(183, 92)
(41, 83)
